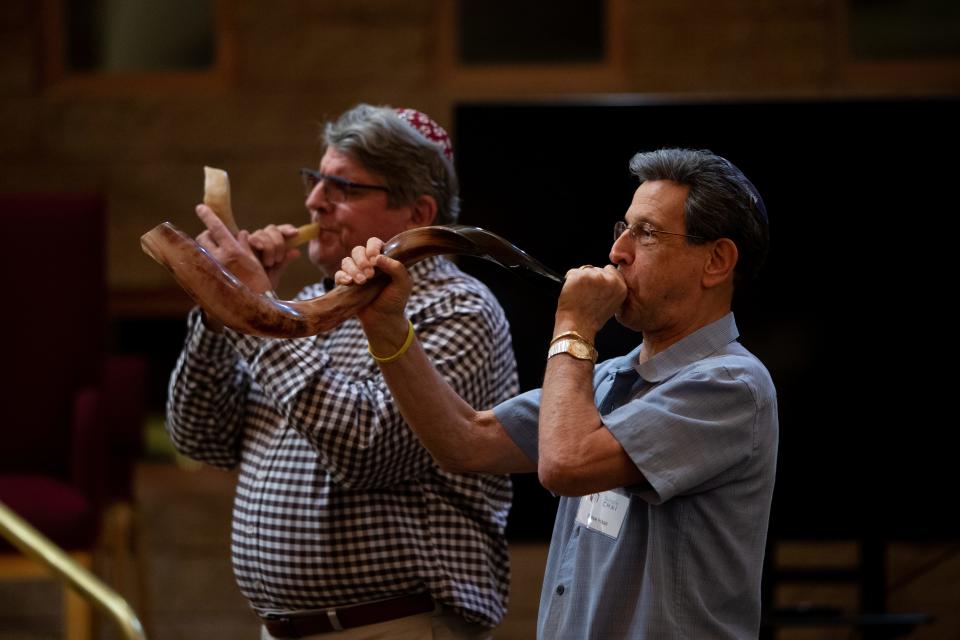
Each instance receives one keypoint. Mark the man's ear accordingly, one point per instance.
(423, 212)
(720, 263)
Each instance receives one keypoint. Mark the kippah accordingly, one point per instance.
(428, 128)
(751, 190)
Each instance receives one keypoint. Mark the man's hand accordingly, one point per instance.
(233, 253)
(270, 245)
(589, 298)
(383, 320)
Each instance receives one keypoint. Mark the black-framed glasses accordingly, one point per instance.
(335, 189)
(644, 232)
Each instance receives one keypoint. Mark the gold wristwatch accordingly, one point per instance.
(572, 344)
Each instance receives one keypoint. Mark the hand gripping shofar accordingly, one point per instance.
(227, 299)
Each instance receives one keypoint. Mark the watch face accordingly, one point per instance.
(579, 350)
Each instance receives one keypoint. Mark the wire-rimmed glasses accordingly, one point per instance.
(644, 232)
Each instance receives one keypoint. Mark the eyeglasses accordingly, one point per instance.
(336, 190)
(644, 232)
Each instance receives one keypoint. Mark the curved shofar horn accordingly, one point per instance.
(228, 300)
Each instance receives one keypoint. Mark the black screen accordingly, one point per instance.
(851, 315)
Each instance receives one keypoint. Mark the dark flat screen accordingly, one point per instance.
(853, 314)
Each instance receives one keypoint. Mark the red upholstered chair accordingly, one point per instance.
(71, 415)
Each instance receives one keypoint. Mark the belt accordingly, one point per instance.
(297, 625)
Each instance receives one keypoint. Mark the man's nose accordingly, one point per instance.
(618, 252)
(317, 200)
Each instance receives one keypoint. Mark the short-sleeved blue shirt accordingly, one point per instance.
(700, 422)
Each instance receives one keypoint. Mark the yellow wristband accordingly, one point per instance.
(403, 349)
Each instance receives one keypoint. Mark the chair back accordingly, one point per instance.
(53, 268)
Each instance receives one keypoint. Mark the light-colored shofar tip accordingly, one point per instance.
(305, 234)
(216, 195)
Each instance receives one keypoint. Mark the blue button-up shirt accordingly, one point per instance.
(700, 422)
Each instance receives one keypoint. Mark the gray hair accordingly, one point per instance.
(409, 163)
(722, 202)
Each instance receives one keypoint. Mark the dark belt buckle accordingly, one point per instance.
(279, 626)
(285, 626)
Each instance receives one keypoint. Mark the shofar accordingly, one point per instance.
(216, 195)
(227, 299)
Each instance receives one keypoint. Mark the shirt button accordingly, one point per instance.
(560, 590)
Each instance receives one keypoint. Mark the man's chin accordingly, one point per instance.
(624, 319)
(325, 260)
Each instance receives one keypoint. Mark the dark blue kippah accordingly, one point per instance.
(752, 190)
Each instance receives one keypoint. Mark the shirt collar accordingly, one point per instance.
(698, 345)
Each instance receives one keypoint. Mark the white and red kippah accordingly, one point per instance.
(428, 128)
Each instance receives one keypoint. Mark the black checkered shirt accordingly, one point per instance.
(337, 502)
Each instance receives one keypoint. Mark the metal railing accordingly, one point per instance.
(37, 546)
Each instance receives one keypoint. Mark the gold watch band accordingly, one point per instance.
(575, 347)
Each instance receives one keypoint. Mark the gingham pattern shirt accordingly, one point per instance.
(337, 502)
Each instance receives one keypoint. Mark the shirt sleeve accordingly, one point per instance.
(206, 398)
(520, 417)
(352, 420)
(686, 432)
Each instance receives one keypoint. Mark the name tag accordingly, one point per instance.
(604, 512)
